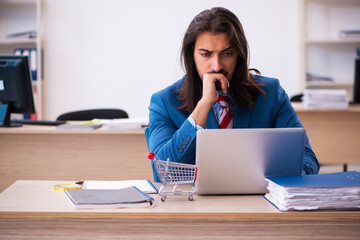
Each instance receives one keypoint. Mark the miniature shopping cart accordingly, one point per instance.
(172, 173)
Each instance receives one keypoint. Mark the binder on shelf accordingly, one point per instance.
(26, 34)
(34, 116)
(32, 55)
(354, 33)
(33, 63)
(312, 192)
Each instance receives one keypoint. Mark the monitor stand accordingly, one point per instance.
(5, 117)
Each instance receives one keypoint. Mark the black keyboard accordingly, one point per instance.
(38, 122)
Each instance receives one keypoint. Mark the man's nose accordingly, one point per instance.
(216, 64)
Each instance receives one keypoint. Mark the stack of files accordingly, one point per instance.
(317, 78)
(126, 123)
(81, 126)
(312, 192)
(326, 99)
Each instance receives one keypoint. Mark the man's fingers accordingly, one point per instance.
(220, 81)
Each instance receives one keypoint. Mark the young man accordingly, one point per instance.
(217, 91)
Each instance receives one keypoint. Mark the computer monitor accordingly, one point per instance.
(16, 94)
(357, 81)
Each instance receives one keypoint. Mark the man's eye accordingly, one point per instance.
(205, 54)
(228, 53)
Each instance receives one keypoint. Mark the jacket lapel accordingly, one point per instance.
(241, 117)
(240, 114)
(211, 122)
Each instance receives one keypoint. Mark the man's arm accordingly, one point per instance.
(168, 136)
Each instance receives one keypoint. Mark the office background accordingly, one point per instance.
(117, 53)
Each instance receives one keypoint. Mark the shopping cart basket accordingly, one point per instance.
(172, 173)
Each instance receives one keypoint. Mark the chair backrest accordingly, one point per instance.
(156, 178)
(85, 115)
(297, 98)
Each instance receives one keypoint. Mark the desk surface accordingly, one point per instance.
(29, 209)
(31, 198)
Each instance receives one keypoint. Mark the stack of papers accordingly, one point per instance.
(81, 126)
(143, 185)
(113, 124)
(312, 192)
(125, 123)
(326, 99)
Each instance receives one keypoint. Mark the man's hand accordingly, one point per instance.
(210, 96)
(210, 81)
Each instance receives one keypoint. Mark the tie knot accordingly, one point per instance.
(223, 98)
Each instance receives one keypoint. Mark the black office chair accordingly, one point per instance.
(86, 115)
(297, 98)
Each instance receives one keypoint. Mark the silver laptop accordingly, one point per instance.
(236, 161)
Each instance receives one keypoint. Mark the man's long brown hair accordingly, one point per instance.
(242, 85)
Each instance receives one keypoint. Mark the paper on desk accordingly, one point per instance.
(93, 124)
(126, 123)
(144, 185)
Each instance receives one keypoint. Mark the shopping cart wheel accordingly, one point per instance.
(163, 198)
(151, 203)
(191, 197)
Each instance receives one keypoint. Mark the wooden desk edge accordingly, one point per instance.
(283, 216)
(299, 107)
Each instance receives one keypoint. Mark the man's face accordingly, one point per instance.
(214, 54)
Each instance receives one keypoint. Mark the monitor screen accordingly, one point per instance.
(16, 94)
(357, 81)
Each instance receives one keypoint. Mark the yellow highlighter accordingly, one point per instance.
(67, 186)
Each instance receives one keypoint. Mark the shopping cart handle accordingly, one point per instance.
(151, 155)
(196, 169)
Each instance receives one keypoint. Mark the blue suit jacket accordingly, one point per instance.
(172, 136)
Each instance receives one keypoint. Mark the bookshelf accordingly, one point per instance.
(324, 52)
(18, 16)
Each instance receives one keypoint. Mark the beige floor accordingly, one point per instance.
(338, 168)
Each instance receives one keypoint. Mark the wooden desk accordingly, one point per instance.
(31, 210)
(42, 152)
(334, 134)
(39, 152)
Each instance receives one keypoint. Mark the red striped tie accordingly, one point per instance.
(225, 119)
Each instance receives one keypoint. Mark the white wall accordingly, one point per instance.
(113, 53)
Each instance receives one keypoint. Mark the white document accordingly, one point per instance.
(143, 185)
(326, 99)
(126, 123)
